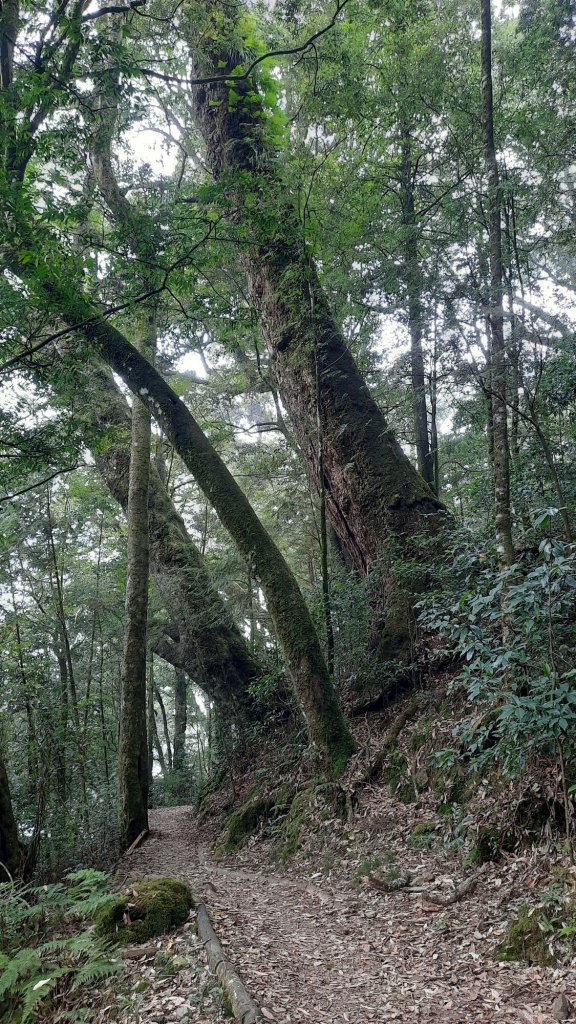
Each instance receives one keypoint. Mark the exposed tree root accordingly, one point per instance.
(375, 768)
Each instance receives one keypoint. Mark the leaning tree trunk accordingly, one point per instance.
(376, 501)
(503, 517)
(133, 743)
(200, 637)
(10, 857)
(210, 648)
(325, 722)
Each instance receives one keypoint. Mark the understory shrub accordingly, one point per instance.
(514, 633)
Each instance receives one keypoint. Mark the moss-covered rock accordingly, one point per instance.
(526, 938)
(397, 776)
(150, 907)
(289, 838)
(245, 821)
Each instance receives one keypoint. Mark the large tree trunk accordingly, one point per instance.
(210, 649)
(376, 501)
(325, 722)
(10, 856)
(503, 518)
(133, 745)
(200, 637)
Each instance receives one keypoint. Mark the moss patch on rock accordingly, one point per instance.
(397, 776)
(289, 837)
(150, 907)
(243, 822)
(526, 938)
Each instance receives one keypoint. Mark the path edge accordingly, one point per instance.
(244, 1008)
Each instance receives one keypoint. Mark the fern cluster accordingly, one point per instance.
(46, 949)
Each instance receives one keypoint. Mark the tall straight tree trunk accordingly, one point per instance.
(10, 857)
(180, 720)
(503, 517)
(150, 721)
(375, 499)
(165, 727)
(414, 286)
(133, 744)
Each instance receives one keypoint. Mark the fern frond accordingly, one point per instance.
(37, 989)
(24, 963)
(94, 970)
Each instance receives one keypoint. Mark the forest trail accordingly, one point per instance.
(318, 951)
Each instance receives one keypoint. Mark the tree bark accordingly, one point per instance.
(326, 725)
(201, 637)
(414, 285)
(166, 730)
(180, 720)
(503, 517)
(375, 499)
(212, 650)
(10, 856)
(133, 743)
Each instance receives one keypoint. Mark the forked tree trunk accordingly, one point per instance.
(325, 722)
(376, 501)
(200, 636)
(503, 517)
(10, 858)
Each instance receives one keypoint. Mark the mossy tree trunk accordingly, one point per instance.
(326, 725)
(133, 776)
(200, 637)
(294, 627)
(375, 499)
(180, 720)
(10, 858)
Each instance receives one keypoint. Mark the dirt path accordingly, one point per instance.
(312, 951)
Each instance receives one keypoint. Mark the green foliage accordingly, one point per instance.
(515, 632)
(45, 946)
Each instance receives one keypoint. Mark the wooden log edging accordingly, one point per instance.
(242, 1005)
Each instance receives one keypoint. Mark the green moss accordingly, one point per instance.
(151, 907)
(395, 773)
(289, 841)
(373, 865)
(397, 777)
(491, 841)
(526, 939)
(245, 821)
(423, 836)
